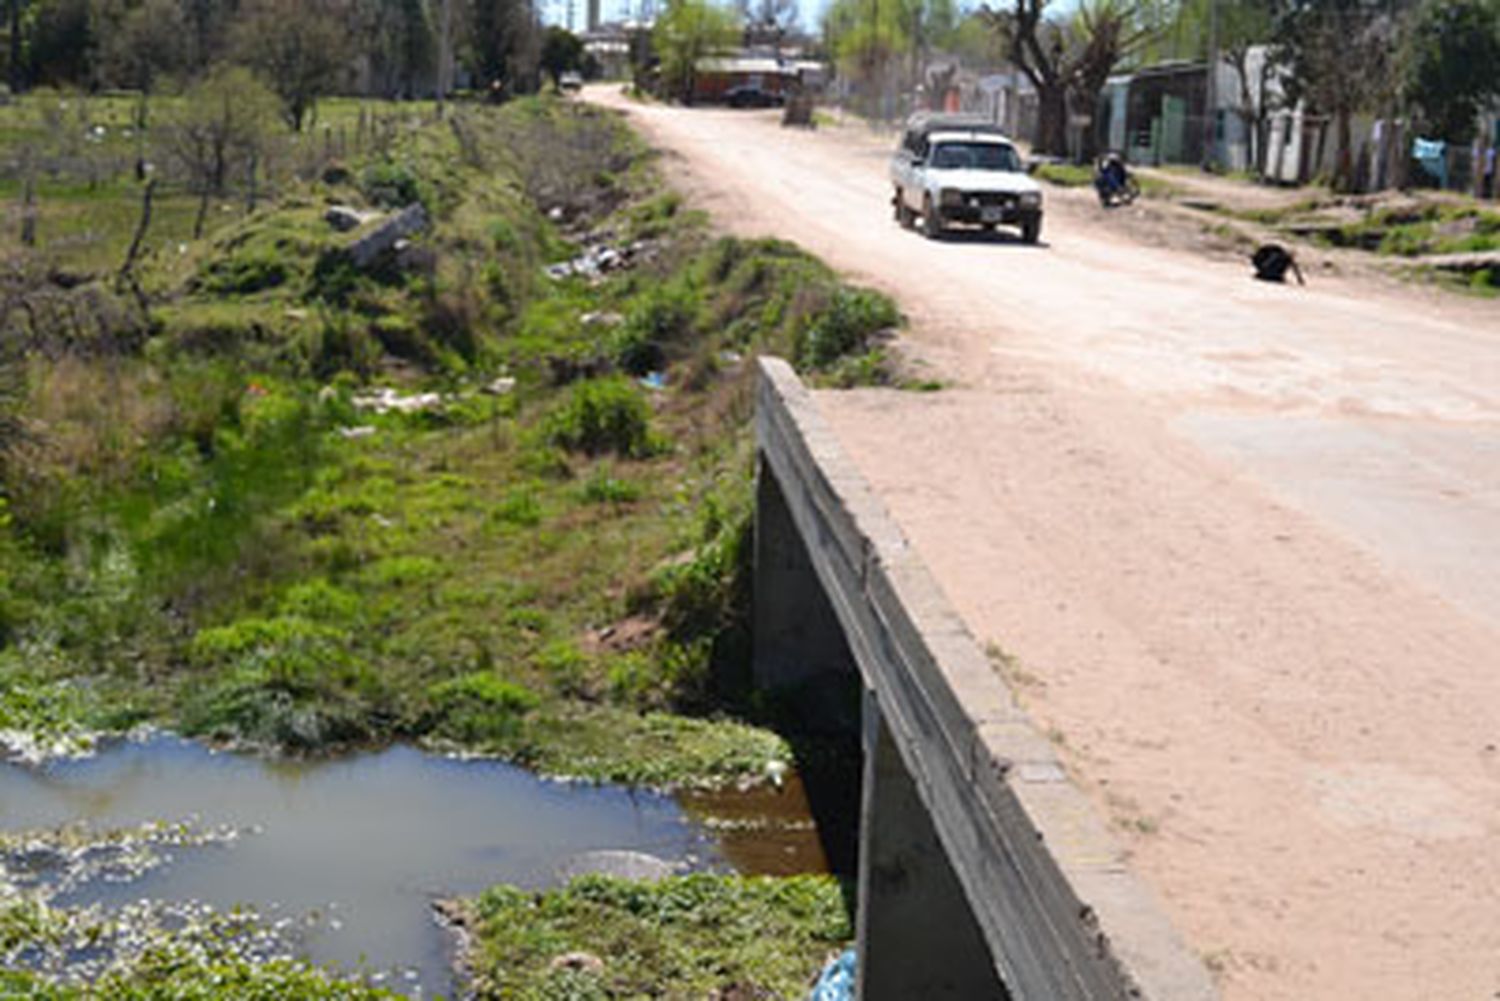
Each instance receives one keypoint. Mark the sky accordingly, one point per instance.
(810, 11)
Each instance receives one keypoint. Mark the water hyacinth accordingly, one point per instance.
(105, 950)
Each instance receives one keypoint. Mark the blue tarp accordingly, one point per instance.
(837, 980)
(1432, 154)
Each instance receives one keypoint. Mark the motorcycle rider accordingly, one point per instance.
(1110, 176)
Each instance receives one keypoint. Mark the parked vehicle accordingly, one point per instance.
(954, 170)
(1114, 182)
(749, 95)
(571, 81)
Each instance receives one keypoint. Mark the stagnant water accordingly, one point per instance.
(356, 849)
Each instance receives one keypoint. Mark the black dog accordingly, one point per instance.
(1272, 260)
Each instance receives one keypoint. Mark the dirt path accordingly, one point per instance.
(1242, 542)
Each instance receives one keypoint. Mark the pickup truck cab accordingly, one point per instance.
(953, 169)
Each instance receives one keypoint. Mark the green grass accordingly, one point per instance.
(687, 936)
(1066, 175)
(212, 535)
(208, 531)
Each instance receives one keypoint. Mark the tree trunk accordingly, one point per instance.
(140, 230)
(217, 176)
(1052, 120)
(17, 79)
(1343, 157)
(202, 214)
(28, 212)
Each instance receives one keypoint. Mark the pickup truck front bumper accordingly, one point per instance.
(987, 209)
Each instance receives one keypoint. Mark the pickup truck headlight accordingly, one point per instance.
(1031, 199)
(951, 196)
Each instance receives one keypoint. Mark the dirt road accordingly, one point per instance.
(1241, 541)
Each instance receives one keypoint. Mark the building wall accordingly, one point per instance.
(711, 85)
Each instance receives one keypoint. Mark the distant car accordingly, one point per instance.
(749, 95)
(571, 80)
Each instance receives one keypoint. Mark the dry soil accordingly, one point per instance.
(1241, 540)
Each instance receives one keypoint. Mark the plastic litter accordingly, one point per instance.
(836, 982)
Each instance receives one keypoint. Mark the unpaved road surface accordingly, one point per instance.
(1241, 541)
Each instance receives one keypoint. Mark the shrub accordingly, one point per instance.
(319, 600)
(656, 322)
(603, 487)
(604, 415)
(843, 327)
(248, 270)
(391, 184)
(479, 707)
(334, 277)
(520, 507)
(566, 667)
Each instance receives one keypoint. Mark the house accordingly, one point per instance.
(610, 46)
(779, 76)
(1158, 114)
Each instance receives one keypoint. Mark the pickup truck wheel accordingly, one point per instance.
(932, 226)
(1031, 229)
(904, 215)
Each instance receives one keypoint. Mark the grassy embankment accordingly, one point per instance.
(1072, 175)
(1411, 225)
(206, 527)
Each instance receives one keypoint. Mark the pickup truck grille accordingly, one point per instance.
(988, 198)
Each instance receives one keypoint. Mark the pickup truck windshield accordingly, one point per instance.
(975, 156)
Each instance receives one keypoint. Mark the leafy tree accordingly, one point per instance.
(61, 43)
(398, 43)
(1067, 60)
(883, 44)
(1339, 57)
(297, 45)
(1244, 25)
(209, 23)
(1454, 52)
(868, 39)
(561, 51)
(504, 43)
(14, 68)
(686, 32)
(140, 43)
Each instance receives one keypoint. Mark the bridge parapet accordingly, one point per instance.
(983, 870)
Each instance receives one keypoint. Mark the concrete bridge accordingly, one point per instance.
(983, 872)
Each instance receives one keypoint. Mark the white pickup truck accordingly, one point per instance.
(956, 169)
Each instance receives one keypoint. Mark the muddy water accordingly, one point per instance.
(356, 849)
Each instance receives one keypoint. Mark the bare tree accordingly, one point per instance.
(223, 121)
(1067, 61)
(1339, 56)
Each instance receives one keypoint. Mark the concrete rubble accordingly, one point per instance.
(385, 236)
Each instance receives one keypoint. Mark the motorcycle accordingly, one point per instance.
(1114, 183)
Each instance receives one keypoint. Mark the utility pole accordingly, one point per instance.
(1211, 90)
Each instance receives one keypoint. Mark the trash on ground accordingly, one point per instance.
(836, 982)
(386, 400)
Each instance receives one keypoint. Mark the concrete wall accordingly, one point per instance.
(983, 871)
